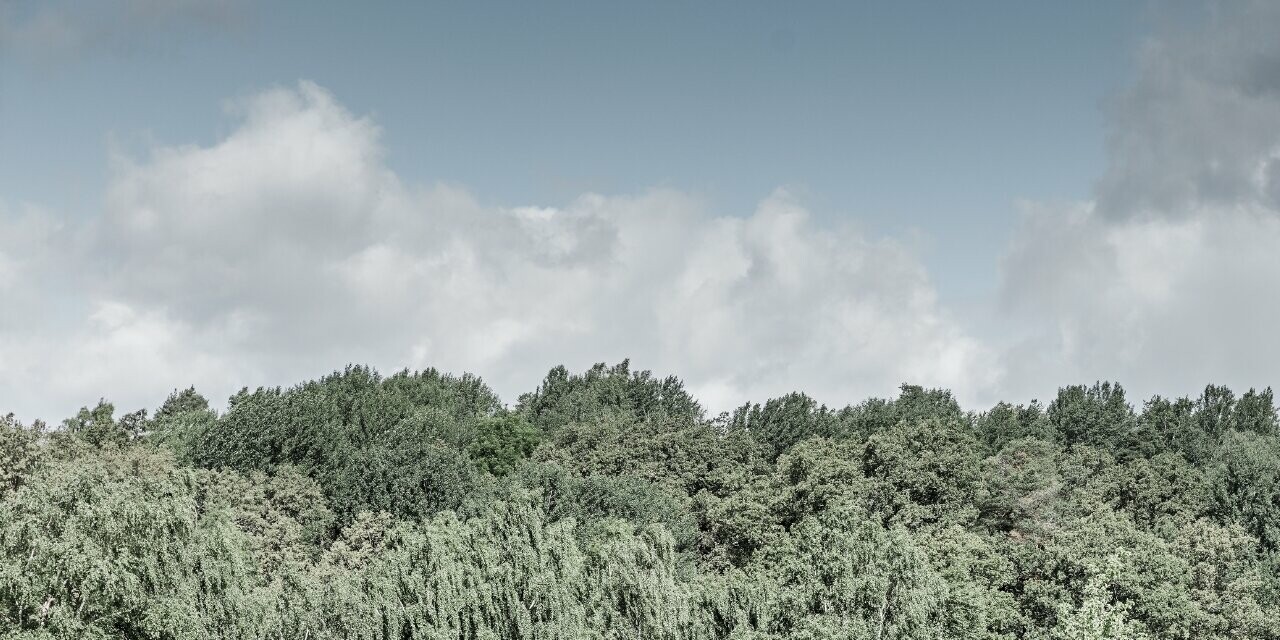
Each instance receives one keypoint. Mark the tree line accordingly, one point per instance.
(608, 504)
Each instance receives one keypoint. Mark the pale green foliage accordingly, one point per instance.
(1024, 489)
(587, 499)
(110, 545)
(840, 572)
(183, 417)
(1098, 617)
(21, 452)
(100, 428)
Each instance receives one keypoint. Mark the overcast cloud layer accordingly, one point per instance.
(288, 248)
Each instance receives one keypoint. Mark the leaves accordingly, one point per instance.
(606, 505)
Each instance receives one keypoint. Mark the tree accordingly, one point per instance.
(1170, 425)
(1023, 489)
(21, 452)
(396, 444)
(112, 544)
(840, 574)
(181, 402)
(1245, 479)
(1096, 416)
(501, 442)
(100, 428)
(1005, 423)
(607, 392)
(1256, 412)
(1097, 617)
(782, 422)
(1162, 492)
(606, 505)
(923, 472)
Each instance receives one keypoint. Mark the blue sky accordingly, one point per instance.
(921, 134)
(899, 116)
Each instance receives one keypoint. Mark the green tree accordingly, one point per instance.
(501, 442)
(1256, 412)
(923, 472)
(1096, 416)
(1097, 617)
(100, 428)
(607, 392)
(1245, 478)
(21, 452)
(781, 422)
(1005, 423)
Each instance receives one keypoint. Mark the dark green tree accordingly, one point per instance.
(1096, 416)
(501, 442)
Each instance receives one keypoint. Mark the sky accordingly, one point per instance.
(998, 198)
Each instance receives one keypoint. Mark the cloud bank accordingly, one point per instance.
(1169, 278)
(288, 248)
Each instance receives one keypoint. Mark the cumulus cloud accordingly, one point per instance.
(288, 248)
(1168, 279)
(61, 344)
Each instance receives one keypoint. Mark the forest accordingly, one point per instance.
(609, 504)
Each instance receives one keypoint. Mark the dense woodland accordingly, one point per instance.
(609, 505)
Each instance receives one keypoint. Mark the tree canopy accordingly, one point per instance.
(607, 504)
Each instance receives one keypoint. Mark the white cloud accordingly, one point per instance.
(1165, 305)
(1169, 279)
(288, 249)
